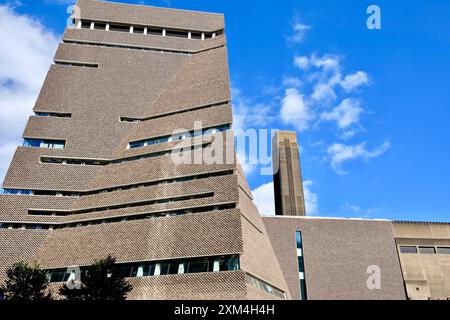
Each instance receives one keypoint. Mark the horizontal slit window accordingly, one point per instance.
(105, 45)
(53, 114)
(106, 162)
(427, 250)
(408, 249)
(178, 137)
(154, 31)
(119, 28)
(48, 144)
(17, 191)
(130, 205)
(155, 268)
(77, 64)
(123, 119)
(126, 187)
(141, 216)
(443, 250)
(177, 33)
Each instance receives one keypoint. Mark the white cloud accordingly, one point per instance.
(248, 113)
(295, 111)
(340, 153)
(311, 198)
(299, 32)
(345, 114)
(301, 62)
(292, 82)
(26, 51)
(325, 62)
(264, 199)
(353, 81)
(323, 92)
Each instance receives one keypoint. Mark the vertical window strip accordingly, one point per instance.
(301, 265)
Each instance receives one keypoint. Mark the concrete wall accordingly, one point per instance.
(427, 275)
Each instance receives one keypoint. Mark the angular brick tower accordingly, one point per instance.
(96, 174)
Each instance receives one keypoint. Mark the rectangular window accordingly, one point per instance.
(85, 24)
(51, 160)
(34, 143)
(119, 28)
(100, 26)
(427, 250)
(301, 265)
(124, 119)
(229, 263)
(198, 266)
(443, 250)
(196, 35)
(164, 268)
(154, 31)
(124, 271)
(408, 249)
(17, 191)
(53, 114)
(138, 30)
(149, 270)
(177, 33)
(77, 64)
(50, 144)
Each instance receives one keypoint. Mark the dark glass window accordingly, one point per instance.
(164, 268)
(58, 275)
(298, 239)
(177, 33)
(197, 266)
(124, 271)
(301, 264)
(408, 249)
(100, 26)
(427, 250)
(173, 267)
(196, 35)
(85, 24)
(154, 31)
(303, 289)
(136, 145)
(149, 270)
(119, 28)
(229, 263)
(138, 29)
(51, 160)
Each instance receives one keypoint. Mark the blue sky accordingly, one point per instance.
(370, 106)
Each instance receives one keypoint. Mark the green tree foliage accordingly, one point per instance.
(26, 282)
(99, 282)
